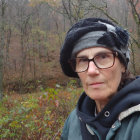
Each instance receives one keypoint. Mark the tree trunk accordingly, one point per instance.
(2, 43)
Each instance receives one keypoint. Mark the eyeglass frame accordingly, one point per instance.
(72, 62)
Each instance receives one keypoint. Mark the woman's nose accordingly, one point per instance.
(92, 69)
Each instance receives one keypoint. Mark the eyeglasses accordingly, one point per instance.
(102, 60)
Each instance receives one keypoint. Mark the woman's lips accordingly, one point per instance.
(96, 84)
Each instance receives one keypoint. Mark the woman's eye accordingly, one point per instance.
(103, 56)
(83, 60)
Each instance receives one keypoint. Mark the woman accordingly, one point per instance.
(96, 51)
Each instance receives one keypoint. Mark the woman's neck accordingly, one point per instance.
(100, 105)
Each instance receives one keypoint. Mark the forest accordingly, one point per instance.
(35, 95)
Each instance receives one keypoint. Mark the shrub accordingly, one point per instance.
(37, 116)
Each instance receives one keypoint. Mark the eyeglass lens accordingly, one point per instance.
(102, 61)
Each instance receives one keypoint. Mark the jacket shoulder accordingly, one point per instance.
(128, 128)
(71, 130)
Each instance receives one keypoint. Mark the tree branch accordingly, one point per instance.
(134, 12)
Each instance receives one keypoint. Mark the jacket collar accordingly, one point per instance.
(128, 112)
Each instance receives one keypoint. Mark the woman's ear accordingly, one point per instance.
(123, 68)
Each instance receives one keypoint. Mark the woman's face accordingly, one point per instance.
(100, 84)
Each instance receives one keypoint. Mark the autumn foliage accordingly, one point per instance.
(38, 116)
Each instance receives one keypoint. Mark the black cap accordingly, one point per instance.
(114, 38)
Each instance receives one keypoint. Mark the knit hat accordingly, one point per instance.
(92, 32)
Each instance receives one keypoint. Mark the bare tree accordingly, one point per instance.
(23, 24)
(2, 42)
(136, 16)
(73, 10)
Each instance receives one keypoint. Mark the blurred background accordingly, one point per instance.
(31, 35)
(32, 32)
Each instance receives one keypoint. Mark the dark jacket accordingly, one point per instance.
(119, 119)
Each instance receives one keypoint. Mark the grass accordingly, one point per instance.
(37, 116)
